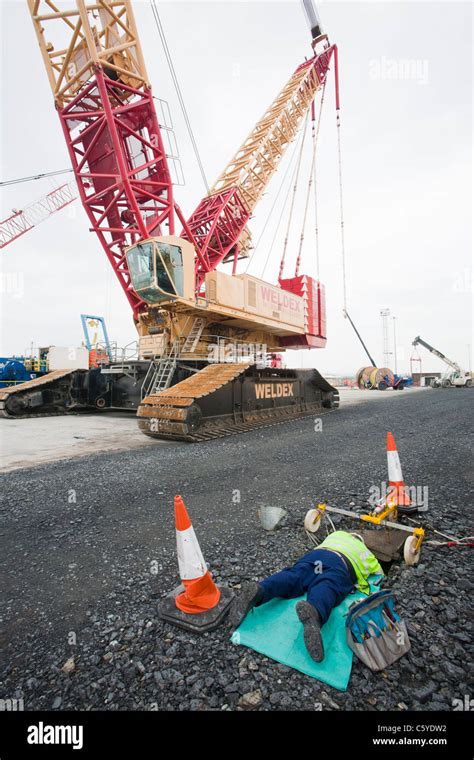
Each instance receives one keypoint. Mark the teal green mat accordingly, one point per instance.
(274, 629)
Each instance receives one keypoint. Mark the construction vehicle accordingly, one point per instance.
(37, 362)
(45, 382)
(201, 331)
(454, 377)
(15, 370)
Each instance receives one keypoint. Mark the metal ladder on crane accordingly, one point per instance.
(160, 373)
(192, 339)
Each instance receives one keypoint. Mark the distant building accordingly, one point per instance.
(341, 381)
(424, 378)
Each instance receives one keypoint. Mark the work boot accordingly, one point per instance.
(309, 616)
(250, 595)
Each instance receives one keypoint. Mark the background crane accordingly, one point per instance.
(457, 377)
(19, 222)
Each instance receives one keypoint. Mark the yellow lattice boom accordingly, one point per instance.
(76, 36)
(257, 159)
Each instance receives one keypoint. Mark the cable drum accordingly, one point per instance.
(381, 378)
(372, 378)
(363, 377)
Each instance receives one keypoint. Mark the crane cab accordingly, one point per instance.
(162, 269)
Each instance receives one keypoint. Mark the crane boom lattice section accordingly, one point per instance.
(218, 226)
(257, 159)
(76, 37)
(21, 221)
(97, 74)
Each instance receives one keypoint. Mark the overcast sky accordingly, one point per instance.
(406, 84)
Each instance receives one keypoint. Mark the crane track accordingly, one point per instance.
(178, 414)
(17, 400)
(6, 416)
(231, 429)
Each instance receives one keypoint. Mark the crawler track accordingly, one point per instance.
(44, 396)
(225, 399)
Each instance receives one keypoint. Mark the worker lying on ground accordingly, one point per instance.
(327, 574)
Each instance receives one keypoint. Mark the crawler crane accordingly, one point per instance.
(202, 331)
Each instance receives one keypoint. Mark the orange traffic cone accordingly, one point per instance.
(201, 593)
(397, 491)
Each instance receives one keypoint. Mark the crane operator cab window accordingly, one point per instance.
(162, 269)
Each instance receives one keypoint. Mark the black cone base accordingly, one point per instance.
(200, 622)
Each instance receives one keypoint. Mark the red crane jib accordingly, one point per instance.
(214, 228)
(119, 161)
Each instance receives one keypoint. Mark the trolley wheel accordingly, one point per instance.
(312, 520)
(410, 555)
(383, 386)
(100, 403)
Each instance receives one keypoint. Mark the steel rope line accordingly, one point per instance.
(169, 60)
(281, 212)
(33, 177)
(316, 218)
(312, 175)
(341, 206)
(305, 214)
(295, 187)
(274, 202)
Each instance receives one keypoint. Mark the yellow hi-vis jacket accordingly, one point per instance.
(361, 558)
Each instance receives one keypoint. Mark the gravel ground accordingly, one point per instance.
(88, 549)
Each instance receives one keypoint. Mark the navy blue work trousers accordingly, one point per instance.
(321, 574)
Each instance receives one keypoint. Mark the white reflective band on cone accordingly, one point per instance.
(190, 559)
(394, 467)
